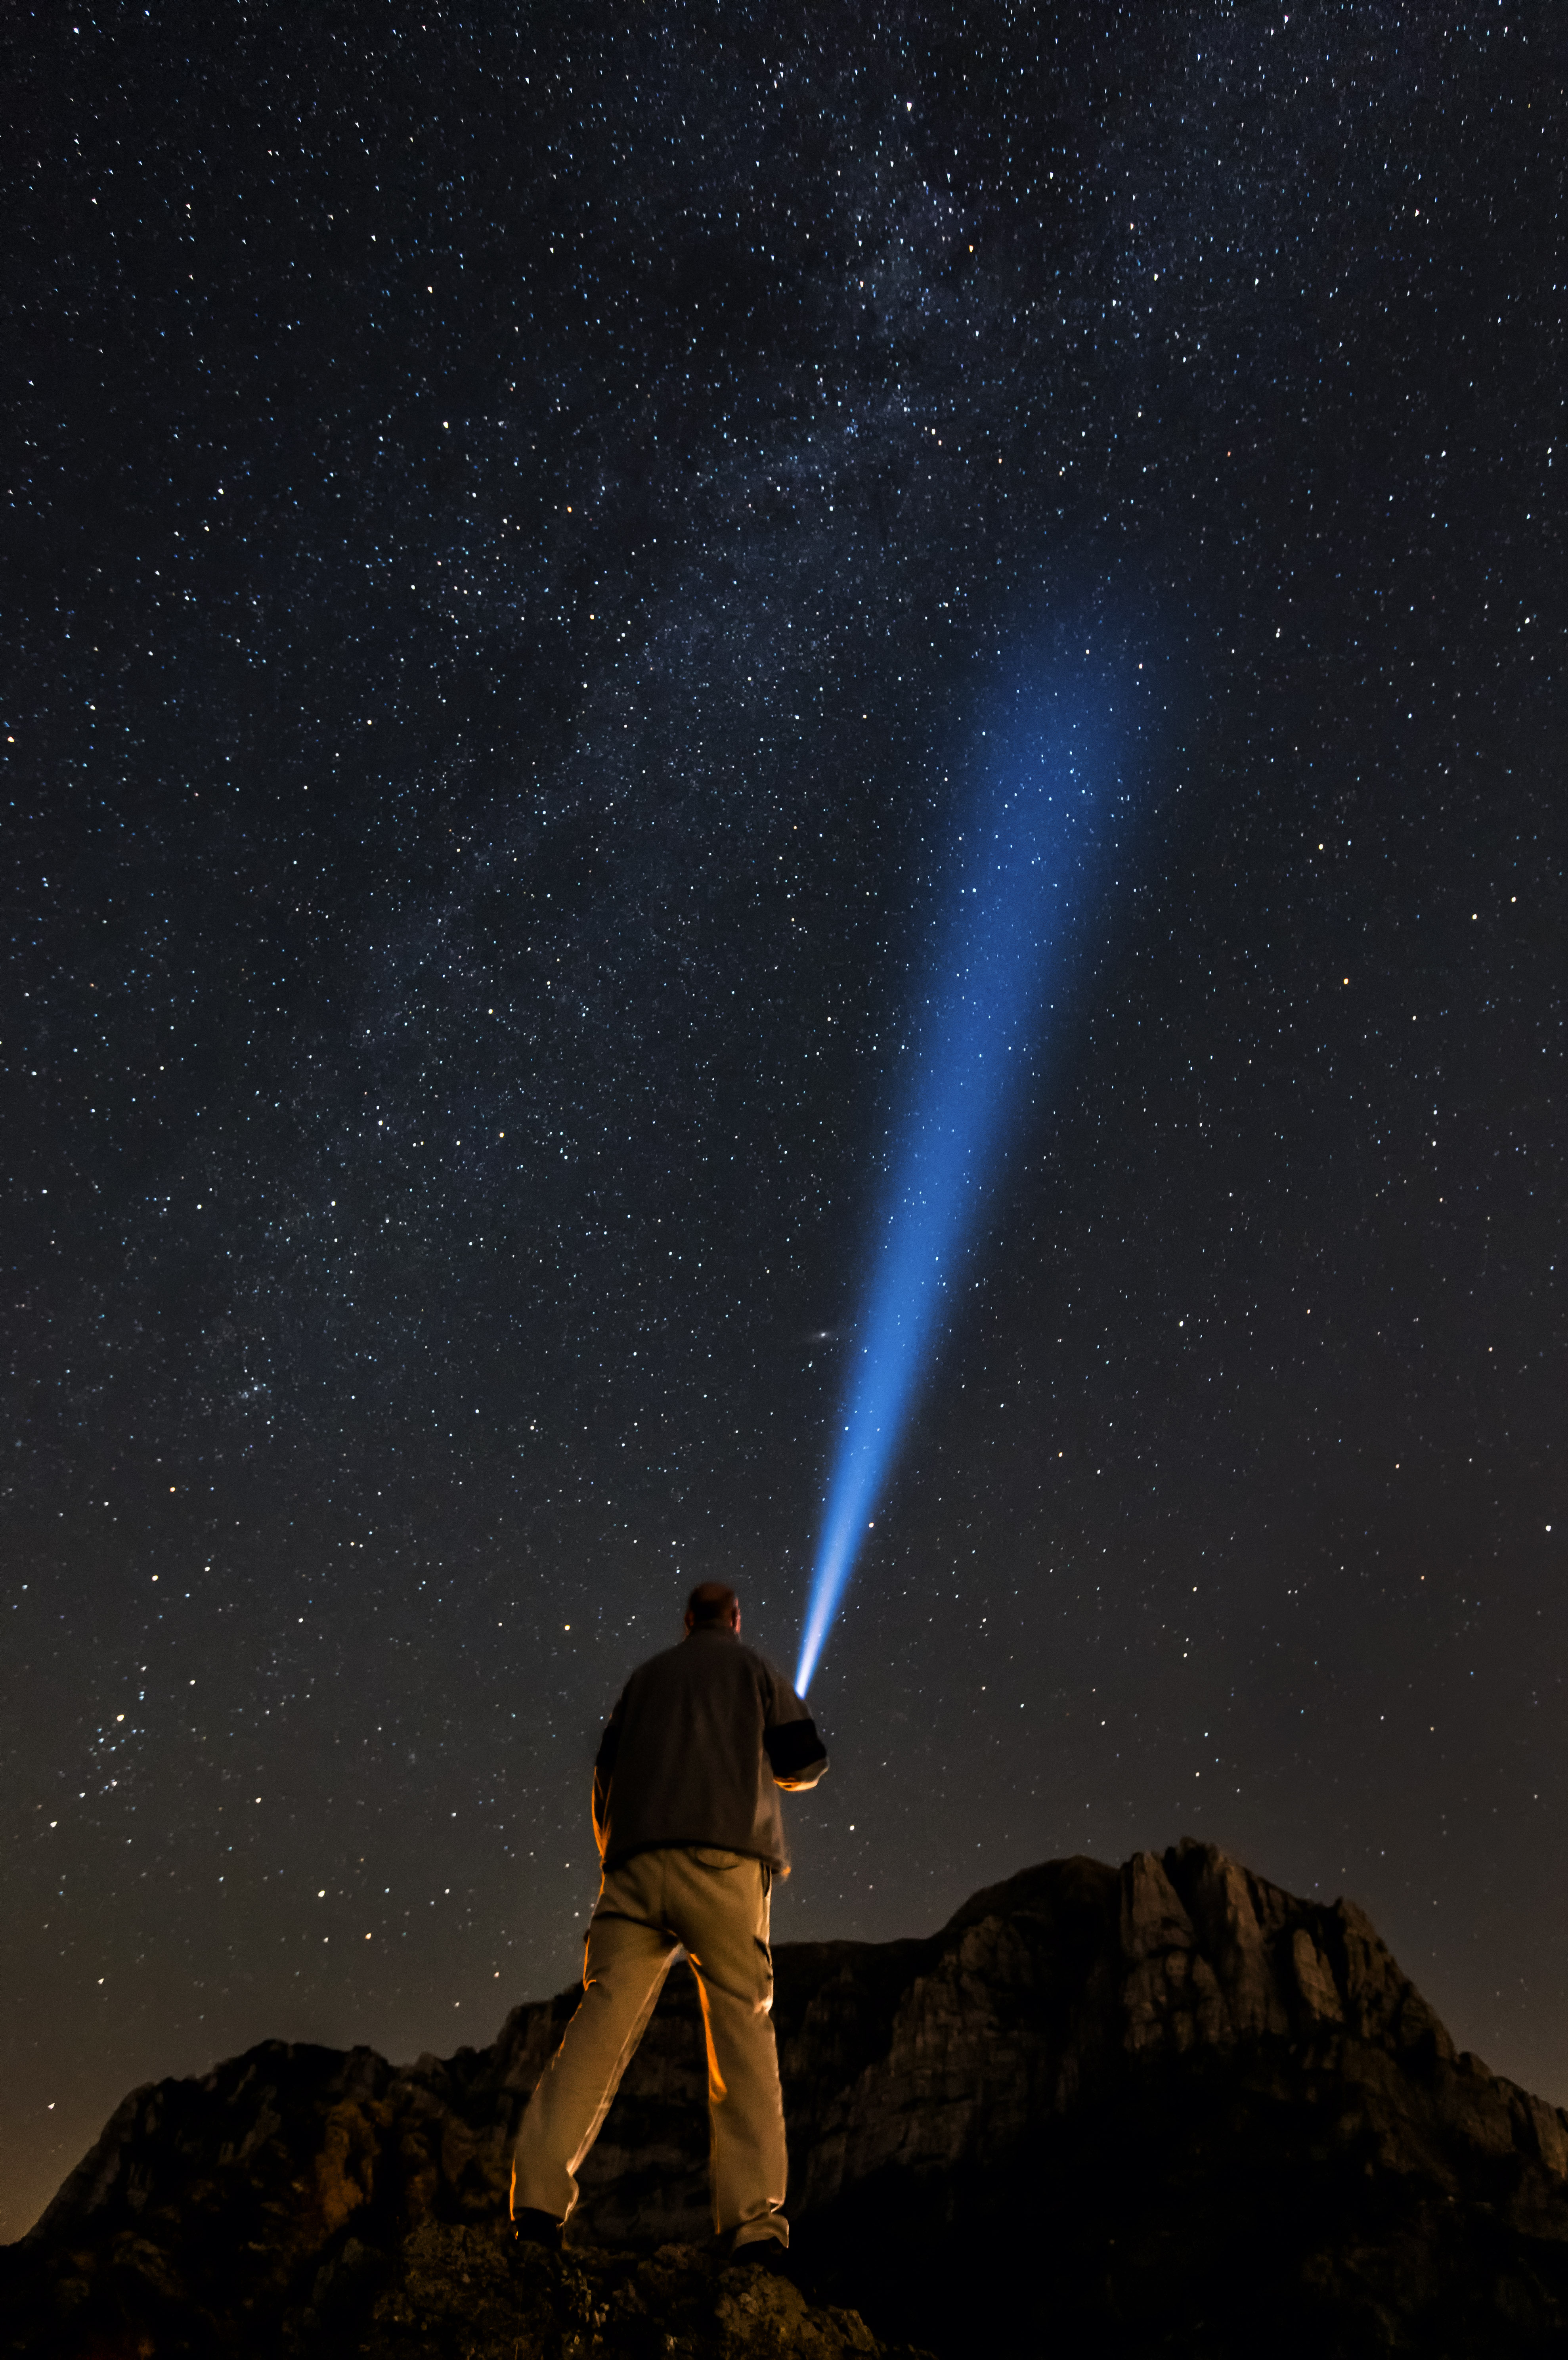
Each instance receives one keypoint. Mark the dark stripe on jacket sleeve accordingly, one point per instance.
(793, 1747)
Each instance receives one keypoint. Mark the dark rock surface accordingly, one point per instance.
(467, 2292)
(1166, 2107)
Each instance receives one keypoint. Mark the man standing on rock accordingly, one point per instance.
(686, 1815)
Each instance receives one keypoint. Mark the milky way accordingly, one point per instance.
(512, 514)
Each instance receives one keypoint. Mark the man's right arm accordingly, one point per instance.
(796, 1754)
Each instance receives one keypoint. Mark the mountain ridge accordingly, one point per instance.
(1154, 2103)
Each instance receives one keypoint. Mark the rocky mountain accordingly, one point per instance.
(1166, 2107)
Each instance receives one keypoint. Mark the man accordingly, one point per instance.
(686, 1815)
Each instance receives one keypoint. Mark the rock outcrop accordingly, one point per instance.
(1166, 2106)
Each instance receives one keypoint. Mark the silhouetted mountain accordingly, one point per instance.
(1165, 2107)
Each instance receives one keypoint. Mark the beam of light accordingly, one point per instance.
(1022, 870)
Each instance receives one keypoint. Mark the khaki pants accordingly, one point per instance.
(716, 1906)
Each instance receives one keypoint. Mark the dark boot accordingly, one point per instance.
(758, 2254)
(531, 2227)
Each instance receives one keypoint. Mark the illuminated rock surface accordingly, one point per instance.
(1165, 2106)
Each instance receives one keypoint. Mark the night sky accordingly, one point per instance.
(516, 521)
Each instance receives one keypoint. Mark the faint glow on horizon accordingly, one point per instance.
(1023, 868)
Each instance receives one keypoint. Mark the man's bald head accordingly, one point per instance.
(713, 1606)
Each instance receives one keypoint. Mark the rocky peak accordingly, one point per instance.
(1146, 2103)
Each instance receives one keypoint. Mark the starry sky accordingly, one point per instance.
(515, 517)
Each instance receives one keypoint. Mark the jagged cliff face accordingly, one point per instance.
(1166, 2105)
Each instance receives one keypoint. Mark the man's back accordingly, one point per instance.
(699, 1742)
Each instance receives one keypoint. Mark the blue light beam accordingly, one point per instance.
(1023, 871)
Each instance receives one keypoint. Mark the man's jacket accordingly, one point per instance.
(697, 1748)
